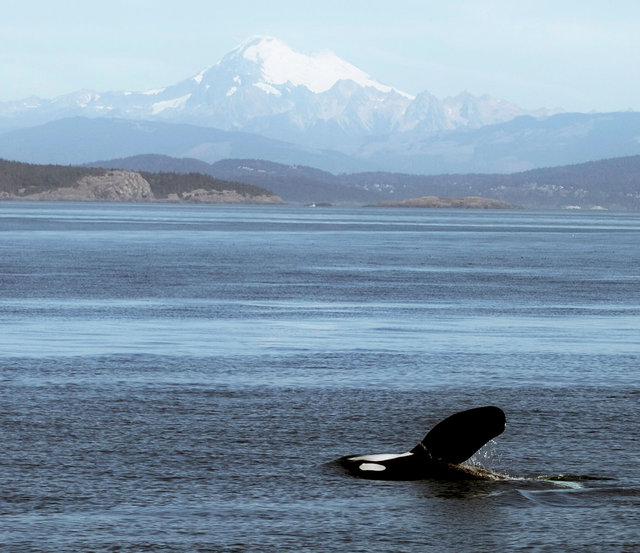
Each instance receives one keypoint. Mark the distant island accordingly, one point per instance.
(467, 202)
(29, 182)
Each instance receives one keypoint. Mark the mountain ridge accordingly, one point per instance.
(520, 144)
(79, 140)
(263, 86)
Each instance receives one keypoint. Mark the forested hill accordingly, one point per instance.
(609, 183)
(24, 181)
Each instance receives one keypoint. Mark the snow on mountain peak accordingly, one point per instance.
(279, 64)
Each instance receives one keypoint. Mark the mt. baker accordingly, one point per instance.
(266, 88)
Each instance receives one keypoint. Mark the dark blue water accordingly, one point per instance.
(178, 378)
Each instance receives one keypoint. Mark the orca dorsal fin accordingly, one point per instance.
(459, 436)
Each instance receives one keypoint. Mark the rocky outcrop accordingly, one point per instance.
(468, 202)
(115, 186)
(223, 197)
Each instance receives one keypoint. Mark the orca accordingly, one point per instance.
(440, 454)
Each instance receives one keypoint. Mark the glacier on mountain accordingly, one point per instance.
(176, 103)
(281, 65)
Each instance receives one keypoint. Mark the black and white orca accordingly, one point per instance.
(440, 454)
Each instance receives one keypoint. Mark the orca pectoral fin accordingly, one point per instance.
(459, 436)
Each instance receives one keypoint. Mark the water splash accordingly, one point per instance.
(486, 457)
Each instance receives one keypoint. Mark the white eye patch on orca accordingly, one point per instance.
(372, 466)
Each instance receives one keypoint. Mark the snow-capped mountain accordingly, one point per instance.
(265, 87)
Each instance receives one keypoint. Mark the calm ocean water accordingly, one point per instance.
(179, 378)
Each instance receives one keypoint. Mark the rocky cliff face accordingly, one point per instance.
(115, 186)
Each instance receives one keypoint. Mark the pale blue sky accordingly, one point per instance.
(579, 55)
